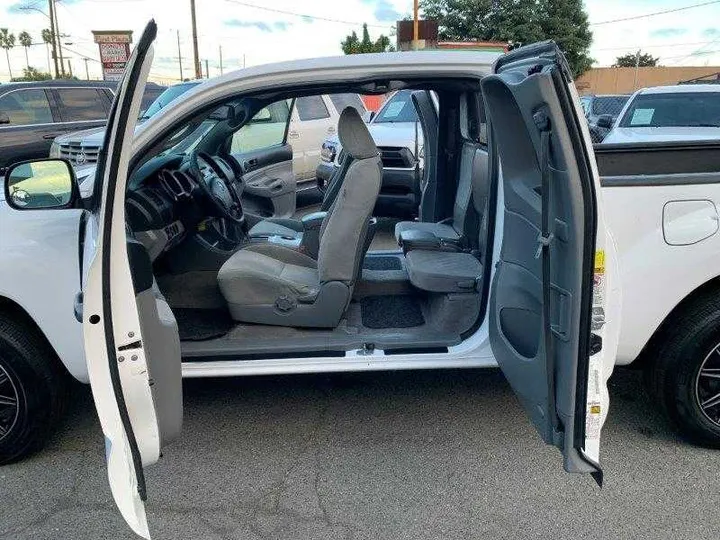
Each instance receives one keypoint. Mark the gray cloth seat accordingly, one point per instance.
(470, 199)
(292, 229)
(443, 272)
(269, 284)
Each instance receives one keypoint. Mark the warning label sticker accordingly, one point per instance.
(600, 261)
(593, 420)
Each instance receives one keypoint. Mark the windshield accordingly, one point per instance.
(166, 97)
(398, 109)
(611, 105)
(185, 139)
(686, 109)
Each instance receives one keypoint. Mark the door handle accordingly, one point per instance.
(51, 135)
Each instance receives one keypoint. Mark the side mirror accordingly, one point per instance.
(368, 116)
(605, 121)
(41, 184)
(4, 118)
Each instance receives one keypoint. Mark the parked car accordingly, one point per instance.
(396, 131)
(523, 298)
(83, 147)
(596, 106)
(518, 270)
(667, 113)
(32, 114)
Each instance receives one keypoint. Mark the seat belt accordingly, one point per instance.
(545, 239)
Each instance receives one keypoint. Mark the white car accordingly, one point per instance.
(537, 299)
(685, 112)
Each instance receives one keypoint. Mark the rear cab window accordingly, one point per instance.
(26, 107)
(680, 109)
(611, 105)
(311, 108)
(81, 104)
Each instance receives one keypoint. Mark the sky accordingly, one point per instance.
(254, 32)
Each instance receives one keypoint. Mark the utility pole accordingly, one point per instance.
(57, 37)
(87, 73)
(416, 24)
(637, 66)
(196, 57)
(221, 66)
(70, 67)
(53, 33)
(179, 56)
(207, 71)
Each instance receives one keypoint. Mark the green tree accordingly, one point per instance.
(25, 40)
(354, 45)
(630, 59)
(516, 22)
(49, 39)
(32, 74)
(7, 42)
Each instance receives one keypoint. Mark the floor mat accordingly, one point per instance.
(199, 324)
(389, 262)
(391, 312)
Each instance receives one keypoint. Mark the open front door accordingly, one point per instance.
(546, 326)
(131, 339)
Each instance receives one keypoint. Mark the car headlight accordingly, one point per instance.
(328, 151)
(54, 150)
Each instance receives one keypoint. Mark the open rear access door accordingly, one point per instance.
(541, 297)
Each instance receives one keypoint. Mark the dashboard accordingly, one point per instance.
(166, 202)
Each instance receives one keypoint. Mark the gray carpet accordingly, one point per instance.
(391, 312)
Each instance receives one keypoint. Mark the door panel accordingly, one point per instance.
(541, 294)
(131, 340)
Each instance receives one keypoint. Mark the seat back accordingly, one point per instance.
(344, 230)
(428, 117)
(335, 182)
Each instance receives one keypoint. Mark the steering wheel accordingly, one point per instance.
(219, 188)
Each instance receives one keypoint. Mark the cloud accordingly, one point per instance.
(307, 19)
(711, 32)
(668, 32)
(384, 10)
(259, 25)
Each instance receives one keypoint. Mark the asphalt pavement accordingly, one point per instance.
(416, 455)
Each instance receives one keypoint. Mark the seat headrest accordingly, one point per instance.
(354, 135)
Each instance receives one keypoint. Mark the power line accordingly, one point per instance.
(305, 16)
(654, 14)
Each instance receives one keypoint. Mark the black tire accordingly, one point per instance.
(686, 344)
(30, 369)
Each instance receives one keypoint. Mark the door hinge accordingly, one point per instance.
(543, 242)
(595, 344)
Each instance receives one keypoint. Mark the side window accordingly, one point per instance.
(264, 130)
(81, 104)
(311, 108)
(342, 101)
(25, 107)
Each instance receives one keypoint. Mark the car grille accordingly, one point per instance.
(395, 156)
(79, 154)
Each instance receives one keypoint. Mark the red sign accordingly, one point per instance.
(114, 48)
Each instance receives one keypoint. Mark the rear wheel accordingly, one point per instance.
(32, 389)
(685, 374)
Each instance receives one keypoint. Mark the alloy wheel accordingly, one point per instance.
(707, 386)
(9, 403)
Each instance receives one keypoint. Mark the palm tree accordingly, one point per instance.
(7, 42)
(49, 38)
(25, 40)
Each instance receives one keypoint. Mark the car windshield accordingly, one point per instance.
(398, 109)
(686, 109)
(611, 105)
(166, 97)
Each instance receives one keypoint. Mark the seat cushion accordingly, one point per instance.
(442, 231)
(443, 272)
(288, 228)
(249, 278)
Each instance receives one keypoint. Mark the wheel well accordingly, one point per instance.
(18, 314)
(711, 287)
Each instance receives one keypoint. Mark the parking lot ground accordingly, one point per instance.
(403, 455)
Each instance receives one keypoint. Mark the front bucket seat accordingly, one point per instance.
(280, 288)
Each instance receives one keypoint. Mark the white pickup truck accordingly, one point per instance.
(660, 203)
